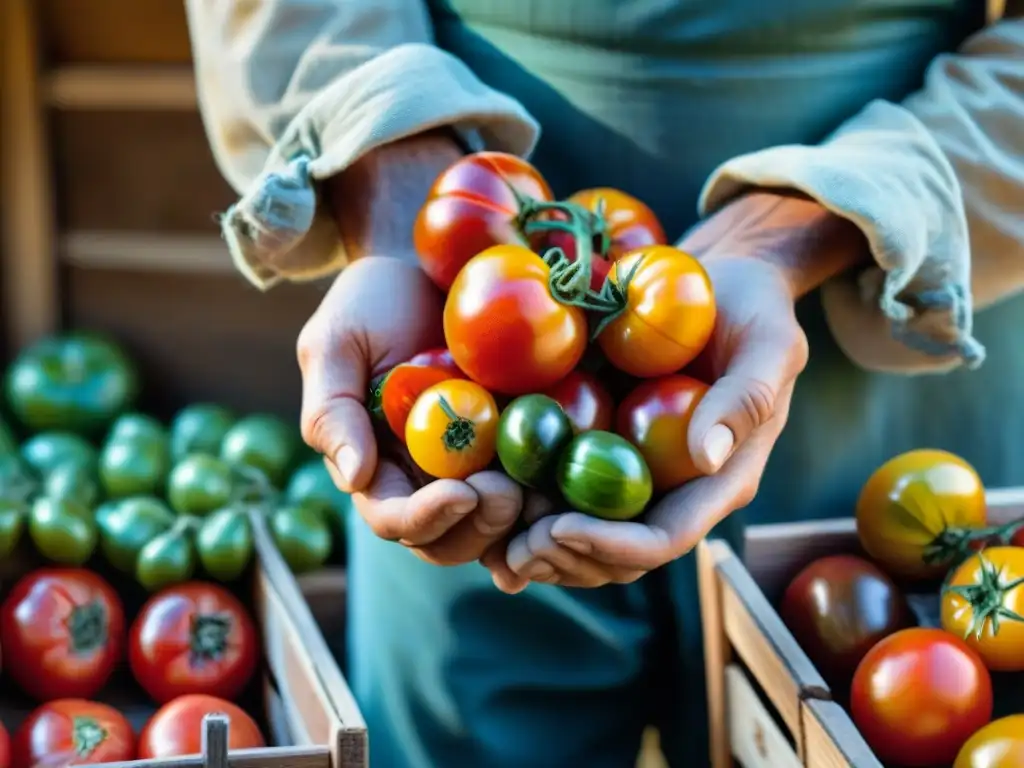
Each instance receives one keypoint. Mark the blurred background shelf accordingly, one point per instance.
(159, 252)
(119, 87)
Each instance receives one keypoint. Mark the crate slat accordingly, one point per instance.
(755, 738)
(831, 740)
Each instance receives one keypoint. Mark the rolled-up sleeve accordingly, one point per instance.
(293, 92)
(934, 183)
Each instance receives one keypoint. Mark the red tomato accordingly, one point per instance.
(404, 383)
(73, 732)
(436, 358)
(504, 328)
(655, 417)
(193, 638)
(5, 748)
(919, 695)
(177, 727)
(585, 401)
(471, 207)
(1017, 540)
(62, 630)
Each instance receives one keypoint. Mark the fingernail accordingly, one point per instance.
(718, 444)
(576, 545)
(347, 462)
(538, 570)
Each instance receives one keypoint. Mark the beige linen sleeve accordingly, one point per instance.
(293, 92)
(933, 183)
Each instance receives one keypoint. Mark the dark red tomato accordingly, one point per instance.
(73, 732)
(436, 358)
(177, 727)
(919, 695)
(62, 631)
(837, 608)
(585, 401)
(193, 638)
(5, 748)
(404, 383)
(655, 417)
(471, 207)
(1017, 540)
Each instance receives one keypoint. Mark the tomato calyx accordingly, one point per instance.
(209, 637)
(987, 599)
(460, 432)
(87, 627)
(954, 545)
(87, 735)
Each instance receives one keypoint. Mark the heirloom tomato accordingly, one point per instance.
(504, 328)
(983, 602)
(73, 732)
(669, 313)
(603, 475)
(1000, 744)
(474, 204)
(532, 432)
(264, 442)
(452, 429)
(302, 536)
(5, 748)
(837, 608)
(176, 729)
(918, 695)
(914, 509)
(655, 417)
(585, 401)
(199, 428)
(398, 389)
(62, 631)
(193, 638)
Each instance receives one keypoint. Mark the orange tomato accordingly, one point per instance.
(452, 429)
(504, 328)
(1000, 744)
(669, 314)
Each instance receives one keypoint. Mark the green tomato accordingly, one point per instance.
(604, 475)
(137, 426)
(128, 526)
(78, 383)
(263, 442)
(200, 484)
(8, 443)
(63, 530)
(200, 429)
(134, 467)
(73, 481)
(105, 510)
(49, 450)
(224, 543)
(302, 536)
(311, 486)
(17, 480)
(532, 432)
(12, 523)
(169, 558)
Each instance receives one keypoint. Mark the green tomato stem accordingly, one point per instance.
(986, 599)
(460, 432)
(88, 734)
(87, 626)
(209, 637)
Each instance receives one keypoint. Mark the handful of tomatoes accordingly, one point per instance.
(540, 295)
(921, 686)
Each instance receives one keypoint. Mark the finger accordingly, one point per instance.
(504, 578)
(396, 511)
(499, 502)
(746, 397)
(536, 506)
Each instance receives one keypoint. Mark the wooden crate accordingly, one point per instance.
(305, 707)
(768, 706)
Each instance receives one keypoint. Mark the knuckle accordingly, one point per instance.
(757, 400)
(800, 350)
(309, 341)
(747, 493)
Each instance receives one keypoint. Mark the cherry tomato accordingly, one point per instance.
(980, 602)
(62, 631)
(918, 695)
(176, 729)
(669, 315)
(193, 638)
(504, 328)
(471, 207)
(452, 429)
(532, 432)
(398, 390)
(1000, 744)
(837, 608)
(5, 748)
(73, 732)
(603, 475)
(585, 401)
(911, 504)
(655, 418)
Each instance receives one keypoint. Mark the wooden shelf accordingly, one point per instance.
(101, 87)
(152, 252)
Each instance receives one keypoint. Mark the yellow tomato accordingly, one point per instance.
(452, 428)
(984, 604)
(911, 508)
(1000, 744)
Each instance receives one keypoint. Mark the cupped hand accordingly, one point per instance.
(380, 312)
(755, 353)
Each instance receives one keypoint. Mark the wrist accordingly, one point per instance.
(804, 241)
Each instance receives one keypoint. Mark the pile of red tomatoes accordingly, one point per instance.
(547, 302)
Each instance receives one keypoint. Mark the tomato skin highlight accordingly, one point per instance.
(919, 695)
(604, 475)
(73, 732)
(193, 638)
(504, 328)
(176, 728)
(655, 417)
(838, 607)
(1000, 744)
(532, 432)
(909, 501)
(585, 401)
(670, 312)
(471, 207)
(62, 631)
(447, 447)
